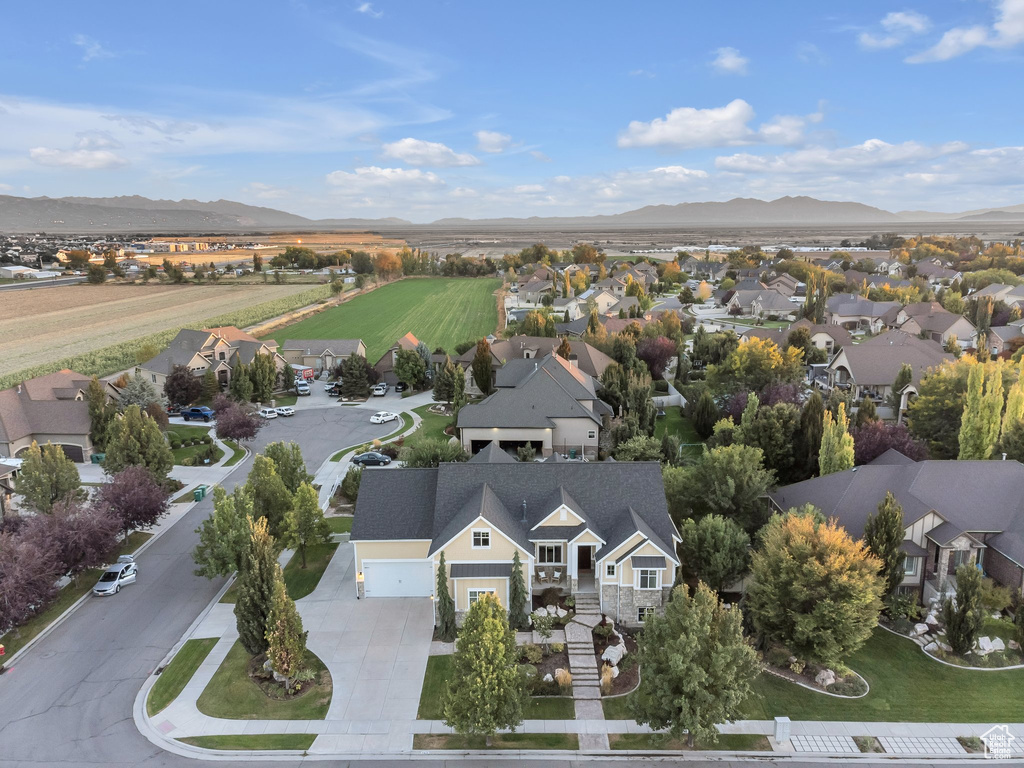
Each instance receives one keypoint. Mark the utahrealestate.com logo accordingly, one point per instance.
(998, 742)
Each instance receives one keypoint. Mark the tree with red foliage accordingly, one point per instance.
(28, 578)
(158, 414)
(79, 537)
(657, 353)
(134, 498)
(876, 437)
(237, 422)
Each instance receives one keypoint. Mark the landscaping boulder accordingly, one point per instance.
(931, 620)
(1013, 645)
(945, 647)
(919, 629)
(561, 612)
(548, 678)
(932, 647)
(614, 672)
(613, 654)
(984, 645)
(825, 678)
(552, 610)
(998, 644)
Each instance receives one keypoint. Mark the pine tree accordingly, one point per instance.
(445, 604)
(883, 535)
(304, 524)
(256, 588)
(866, 411)
(241, 384)
(516, 594)
(355, 381)
(811, 425)
(47, 477)
(224, 535)
(485, 691)
(286, 640)
(698, 668)
(564, 349)
(482, 366)
(101, 413)
(135, 439)
(210, 386)
(444, 381)
(836, 453)
(705, 414)
(964, 616)
(270, 498)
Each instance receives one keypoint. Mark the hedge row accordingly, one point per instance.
(118, 357)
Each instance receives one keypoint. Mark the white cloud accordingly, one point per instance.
(809, 53)
(728, 126)
(871, 154)
(368, 9)
(265, 191)
(374, 177)
(492, 141)
(429, 153)
(91, 49)
(642, 73)
(897, 26)
(1006, 31)
(81, 159)
(728, 61)
(536, 154)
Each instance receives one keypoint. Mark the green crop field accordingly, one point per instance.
(439, 311)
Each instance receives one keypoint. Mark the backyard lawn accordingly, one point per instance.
(433, 424)
(906, 686)
(676, 424)
(439, 311)
(339, 524)
(176, 675)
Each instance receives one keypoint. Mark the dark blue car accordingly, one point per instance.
(197, 413)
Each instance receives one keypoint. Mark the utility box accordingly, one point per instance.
(782, 726)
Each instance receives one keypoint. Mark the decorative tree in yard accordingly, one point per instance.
(80, 537)
(138, 392)
(136, 440)
(270, 497)
(705, 415)
(815, 591)
(979, 427)
(256, 588)
(241, 385)
(134, 498)
(836, 452)
(410, 368)
(517, 595)
(210, 386)
(286, 640)
(485, 691)
(714, 550)
(697, 667)
(482, 366)
(28, 575)
(101, 413)
(47, 477)
(304, 524)
(811, 424)
(288, 461)
(238, 422)
(444, 381)
(355, 381)
(564, 349)
(883, 535)
(445, 605)
(964, 615)
(263, 375)
(224, 535)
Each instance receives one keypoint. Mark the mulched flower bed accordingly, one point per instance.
(274, 690)
(547, 666)
(851, 686)
(629, 670)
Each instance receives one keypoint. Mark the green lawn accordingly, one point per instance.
(237, 453)
(433, 424)
(406, 424)
(183, 432)
(299, 582)
(675, 423)
(436, 677)
(19, 637)
(439, 311)
(568, 741)
(297, 741)
(285, 400)
(176, 675)
(340, 524)
(232, 695)
(906, 686)
(738, 742)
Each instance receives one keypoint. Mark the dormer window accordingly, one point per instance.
(481, 538)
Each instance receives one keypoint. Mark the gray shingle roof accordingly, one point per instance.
(406, 508)
(876, 362)
(338, 347)
(647, 561)
(481, 570)
(492, 454)
(557, 532)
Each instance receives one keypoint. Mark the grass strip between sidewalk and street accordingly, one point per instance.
(67, 596)
(568, 741)
(232, 695)
(176, 675)
(253, 741)
(298, 581)
(406, 424)
(237, 453)
(739, 742)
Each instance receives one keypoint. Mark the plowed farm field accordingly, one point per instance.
(47, 324)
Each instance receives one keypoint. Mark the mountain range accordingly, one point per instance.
(141, 214)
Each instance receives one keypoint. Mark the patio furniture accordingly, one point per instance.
(542, 576)
(557, 577)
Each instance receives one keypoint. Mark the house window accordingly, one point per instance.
(910, 566)
(591, 434)
(642, 614)
(961, 556)
(482, 538)
(221, 355)
(609, 570)
(648, 578)
(474, 594)
(549, 553)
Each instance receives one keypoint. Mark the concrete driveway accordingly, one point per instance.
(375, 649)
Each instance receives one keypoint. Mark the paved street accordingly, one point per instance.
(41, 283)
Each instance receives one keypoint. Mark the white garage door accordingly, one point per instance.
(397, 578)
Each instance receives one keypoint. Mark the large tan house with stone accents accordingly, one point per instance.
(596, 529)
(955, 512)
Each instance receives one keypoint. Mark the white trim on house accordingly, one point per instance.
(481, 518)
(484, 536)
(592, 533)
(638, 574)
(556, 510)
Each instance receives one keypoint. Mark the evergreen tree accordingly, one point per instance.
(286, 640)
(564, 349)
(903, 378)
(256, 588)
(210, 386)
(517, 594)
(139, 392)
(224, 535)
(482, 366)
(288, 462)
(836, 453)
(698, 668)
(263, 375)
(241, 384)
(304, 524)
(979, 426)
(445, 605)
(485, 691)
(270, 498)
(458, 395)
(101, 413)
(705, 414)
(883, 535)
(1014, 412)
(866, 411)
(136, 440)
(714, 550)
(964, 614)
(355, 379)
(444, 381)
(47, 477)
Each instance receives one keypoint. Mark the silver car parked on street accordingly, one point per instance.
(124, 571)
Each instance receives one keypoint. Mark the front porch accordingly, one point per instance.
(569, 578)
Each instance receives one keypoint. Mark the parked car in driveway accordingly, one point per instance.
(380, 390)
(303, 389)
(400, 386)
(123, 572)
(285, 410)
(197, 413)
(371, 459)
(268, 413)
(382, 417)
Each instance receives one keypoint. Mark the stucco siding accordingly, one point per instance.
(461, 547)
(390, 550)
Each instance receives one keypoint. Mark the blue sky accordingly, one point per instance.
(428, 109)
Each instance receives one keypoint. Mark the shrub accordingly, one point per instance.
(528, 672)
(661, 386)
(557, 647)
(175, 444)
(777, 656)
(207, 440)
(350, 483)
(564, 679)
(570, 601)
(550, 596)
(390, 450)
(532, 653)
(901, 606)
(606, 678)
(995, 598)
(797, 667)
(604, 631)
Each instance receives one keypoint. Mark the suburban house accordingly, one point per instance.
(48, 409)
(533, 290)
(625, 304)
(786, 284)
(385, 366)
(588, 359)
(1005, 338)
(547, 404)
(216, 349)
(936, 274)
(760, 303)
(602, 529)
(602, 298)
(707, 269)
(929, 319)
(855, 312)
(870, 368)
(1010, 294)
(614, 285)
(955, 512)
(831, 338)
(612, 324)
(321, 354)
(570, 304)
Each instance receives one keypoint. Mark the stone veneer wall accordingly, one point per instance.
(621, 603)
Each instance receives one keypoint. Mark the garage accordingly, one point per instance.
(397, 578)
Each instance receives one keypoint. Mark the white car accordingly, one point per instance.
(382, 417)
(268, 413)
(380, 390)
(285, 410)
